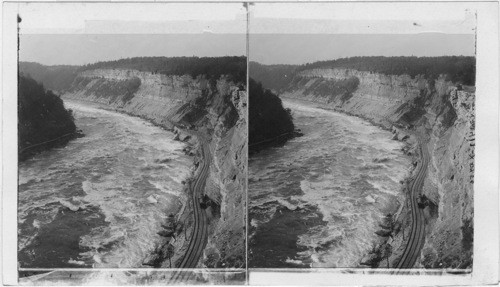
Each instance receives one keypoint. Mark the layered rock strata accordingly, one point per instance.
(216, 108)
(434, 112)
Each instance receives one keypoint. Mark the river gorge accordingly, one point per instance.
(325, 191)
(99, 201)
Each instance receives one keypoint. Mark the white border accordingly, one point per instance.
(9, 145)
(486, 249)
(486, 227)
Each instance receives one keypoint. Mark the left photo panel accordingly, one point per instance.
(132, 143)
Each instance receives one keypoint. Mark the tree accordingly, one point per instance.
(170, 253)
(386, 249)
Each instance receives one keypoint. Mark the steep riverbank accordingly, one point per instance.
(437, 113)
(317, 201)
(43, 121)
(270, 123)
(216, 109)
(100, 200)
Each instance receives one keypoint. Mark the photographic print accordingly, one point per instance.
(361, 140)
(250, 143)
(132, 144)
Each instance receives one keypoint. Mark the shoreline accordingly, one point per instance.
(382, 240)
(192, 150)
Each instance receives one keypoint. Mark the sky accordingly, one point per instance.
(307, 48)
(298, 33)
(79, 49)
(280, 33)
(81, 33)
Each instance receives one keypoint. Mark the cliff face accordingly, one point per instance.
(450, 183)
(385, 99)
(216, 109)
(436, 112)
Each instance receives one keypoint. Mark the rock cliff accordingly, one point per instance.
(216, 108)
(435, 112)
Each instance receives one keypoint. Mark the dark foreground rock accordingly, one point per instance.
(43, 121)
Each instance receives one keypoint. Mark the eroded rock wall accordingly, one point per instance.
(436, 112)
(217, 109)
(449, 183)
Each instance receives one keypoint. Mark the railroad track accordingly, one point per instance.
(417, 235)
(199, 234)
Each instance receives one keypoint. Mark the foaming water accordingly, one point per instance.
(100, 200)
(344, 170)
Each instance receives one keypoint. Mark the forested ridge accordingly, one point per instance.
(42, 118)
(60, 78)
(273, 77)
(212, 67)
(55, 78)
(267, 117)
(458, 69)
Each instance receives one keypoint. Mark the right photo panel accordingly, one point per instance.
(361, 138)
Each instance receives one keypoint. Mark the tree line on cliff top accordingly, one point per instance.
(212, 67)
(60, 78)
(458, 69)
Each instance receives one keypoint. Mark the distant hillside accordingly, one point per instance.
(267, 117)
(211, 67)
(459, 69)
(55, 78)
(42, 118)
(60, 78)
(273, 77)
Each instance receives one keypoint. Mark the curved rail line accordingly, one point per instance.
(417, 235)
(199, 235)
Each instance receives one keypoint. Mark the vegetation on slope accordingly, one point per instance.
(111, 90)
(331, 88)
(60, 78)
(460, 69)
(42, 118)
(273, 77)
(211, 67)
(267, 117)
(56, 78)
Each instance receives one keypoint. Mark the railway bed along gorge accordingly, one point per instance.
(362, 162)
(158, 178)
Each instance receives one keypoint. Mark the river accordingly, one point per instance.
(317, 201)
(99, 201)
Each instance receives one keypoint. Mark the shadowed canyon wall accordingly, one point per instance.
(432, 110)
(43, 121)
(216, 108)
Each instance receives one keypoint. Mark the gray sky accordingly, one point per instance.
(80, 33)
(78, 49)
(295, 33)
(300, 49)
